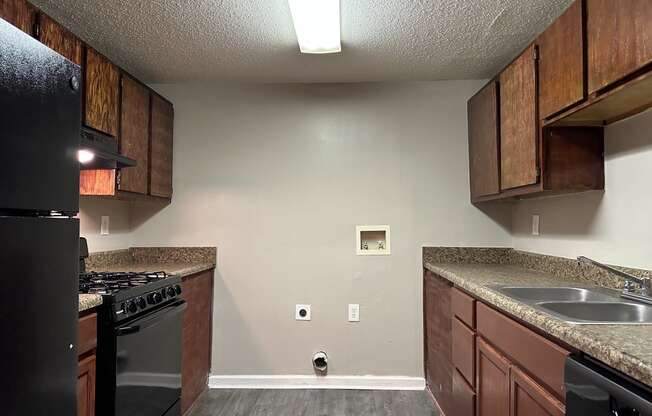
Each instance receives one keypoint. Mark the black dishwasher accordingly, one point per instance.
(595, 390)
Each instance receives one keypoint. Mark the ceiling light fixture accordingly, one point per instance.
(317, 24)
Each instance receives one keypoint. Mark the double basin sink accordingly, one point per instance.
(580, 305)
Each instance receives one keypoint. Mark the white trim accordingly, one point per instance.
(315, 382)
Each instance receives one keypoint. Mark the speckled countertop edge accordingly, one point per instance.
(179, 261)
(604, 342)
(87, 301)
(176, 269)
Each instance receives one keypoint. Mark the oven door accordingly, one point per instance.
(148, 363)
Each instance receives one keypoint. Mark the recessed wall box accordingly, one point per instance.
(372, 240)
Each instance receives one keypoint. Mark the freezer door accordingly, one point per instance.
(40, 123)
(38, 315)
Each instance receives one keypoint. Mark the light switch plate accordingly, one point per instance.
(354, 312)
(104, 225)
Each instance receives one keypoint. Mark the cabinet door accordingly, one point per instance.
(518, 122)
(161, 148)
(102, 85)
(493, 383)
(197, 339)
(483, 142)
(439, 335)
(561, 62)
(86, 387)
(19, 13)
(59, 39)
(619, 39)
(527, 398)
(463, 396)
(134, 135)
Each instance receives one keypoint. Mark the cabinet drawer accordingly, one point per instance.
(463, 307)
(464, 351)
(463, 396)
(537, 355)
(87, 333)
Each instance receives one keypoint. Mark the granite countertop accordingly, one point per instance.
(87, 301)
(179, 261)
(627, 348)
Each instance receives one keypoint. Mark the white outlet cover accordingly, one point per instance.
(104, 225)
(354, 312)
(302, 312)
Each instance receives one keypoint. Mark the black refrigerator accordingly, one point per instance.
(40, 111)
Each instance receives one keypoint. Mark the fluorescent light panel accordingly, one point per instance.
(317, 24)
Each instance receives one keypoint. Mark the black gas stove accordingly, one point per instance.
(131, 293)
(139, 340)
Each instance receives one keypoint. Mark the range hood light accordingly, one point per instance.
(85, 156)
(317, 24)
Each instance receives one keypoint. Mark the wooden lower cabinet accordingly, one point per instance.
(480, 362)
(86, 386)
(197, 337)
(527, 398)
(492, 382)
(463, 396)
(438, 340)
(86, 345)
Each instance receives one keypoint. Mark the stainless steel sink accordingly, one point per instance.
(565, 294)
(581, 305)
(600, 312)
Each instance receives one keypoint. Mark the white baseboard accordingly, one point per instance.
(314, 382)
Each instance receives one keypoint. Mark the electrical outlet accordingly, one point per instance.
(302, 313)
(535, 224)
(354, 312)
(104, 225)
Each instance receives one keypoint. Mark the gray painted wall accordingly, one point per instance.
(613, 226)
(278, 176)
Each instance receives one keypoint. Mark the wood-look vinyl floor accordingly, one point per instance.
(221, 402)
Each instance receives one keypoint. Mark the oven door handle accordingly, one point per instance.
(153, 319)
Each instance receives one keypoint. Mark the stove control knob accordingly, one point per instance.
(151, 298)
(164, 293)
(171, 292)
(131, 307)
(177, 289)
(141, 302)
(157, 297)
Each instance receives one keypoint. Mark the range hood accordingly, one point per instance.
(99, 151)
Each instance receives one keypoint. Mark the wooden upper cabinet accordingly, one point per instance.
(561, 62)
(619, 39)
(19, 13)
(162, 123)
(483, 142)
(527, 398)
(518, 122)
(493, 381)
(59, 39)
(134, 135)
(101, 93)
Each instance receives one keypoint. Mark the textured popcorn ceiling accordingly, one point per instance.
(254, 40)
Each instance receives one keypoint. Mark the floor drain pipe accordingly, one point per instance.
(320, 362)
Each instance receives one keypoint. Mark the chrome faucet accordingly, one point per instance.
(635, 288)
